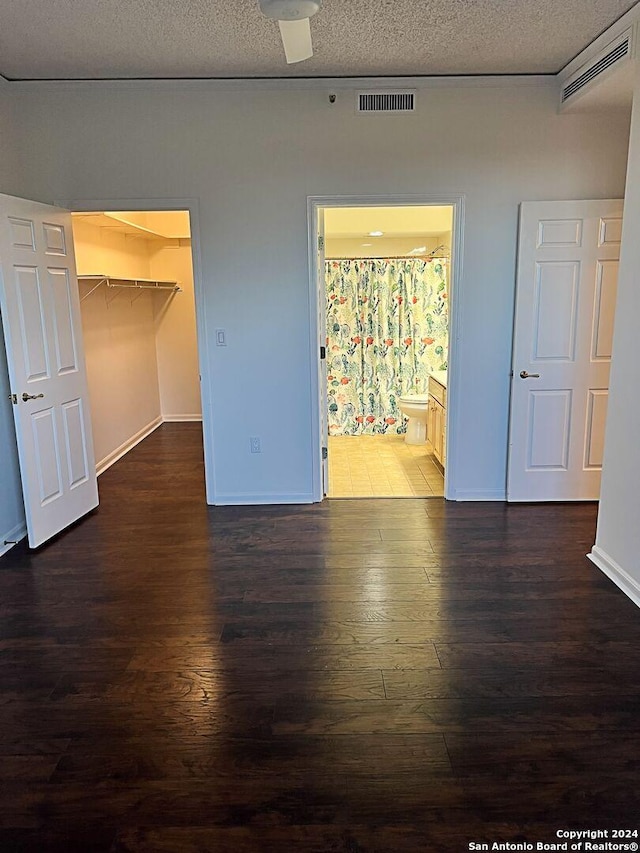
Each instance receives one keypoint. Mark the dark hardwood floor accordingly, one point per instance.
(370, 675)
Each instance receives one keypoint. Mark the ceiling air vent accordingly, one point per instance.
(386, 102)
(611, 56)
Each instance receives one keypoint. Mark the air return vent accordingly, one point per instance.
(611, 56)
(386, 102)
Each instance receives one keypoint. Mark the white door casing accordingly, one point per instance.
(322, 364)
(40, 309)
(565, 303)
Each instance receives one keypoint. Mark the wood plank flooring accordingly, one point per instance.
(355, 676)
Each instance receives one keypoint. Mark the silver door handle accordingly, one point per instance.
(26, 397)
(525, 375)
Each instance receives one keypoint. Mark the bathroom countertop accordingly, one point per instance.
(441, 377)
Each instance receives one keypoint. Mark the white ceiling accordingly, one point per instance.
(150, 224)
(86, 39)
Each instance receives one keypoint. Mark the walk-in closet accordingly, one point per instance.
(135, 276)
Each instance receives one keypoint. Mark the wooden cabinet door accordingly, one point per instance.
(438, 424)
(431, 424)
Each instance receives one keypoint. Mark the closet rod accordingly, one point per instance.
(174, 288)
(133, 283)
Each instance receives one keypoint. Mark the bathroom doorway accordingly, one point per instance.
(384, 274)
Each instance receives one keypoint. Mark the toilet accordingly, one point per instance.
(415, 407)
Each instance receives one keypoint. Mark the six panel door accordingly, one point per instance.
(43, 337)
(563, 333)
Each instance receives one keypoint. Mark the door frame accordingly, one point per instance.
(192, 205)
(316, 292)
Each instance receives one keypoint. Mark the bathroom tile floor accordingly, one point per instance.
(369, 466)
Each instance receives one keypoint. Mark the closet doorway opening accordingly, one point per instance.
(384, 275)
(137, 299)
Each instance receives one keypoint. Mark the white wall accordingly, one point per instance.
(176, 340)
(617, 548)
(10, 159)
(252, 157)
(11, 506)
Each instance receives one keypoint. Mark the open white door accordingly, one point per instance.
(43, 336)
(565, 304)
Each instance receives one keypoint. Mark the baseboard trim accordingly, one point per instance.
(260, 499)
(126, 446)
(177, 419)
(12, 537)
(616, 573)
(479, 495)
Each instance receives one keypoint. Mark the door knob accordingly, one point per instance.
(525, 375)
(26, 397)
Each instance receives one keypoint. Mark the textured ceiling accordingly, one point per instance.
(79, 39)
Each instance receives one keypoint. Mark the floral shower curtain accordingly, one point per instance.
(387, 330)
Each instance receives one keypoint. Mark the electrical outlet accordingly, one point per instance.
(254, 441)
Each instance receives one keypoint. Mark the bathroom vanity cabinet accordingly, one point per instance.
(436, 417)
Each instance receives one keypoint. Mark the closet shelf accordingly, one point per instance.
(134, 283)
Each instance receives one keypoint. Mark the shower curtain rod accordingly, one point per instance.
(391, 258)
(426, 256)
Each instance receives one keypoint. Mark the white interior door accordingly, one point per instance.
(565, 304)
(322, 328)
(43, 336)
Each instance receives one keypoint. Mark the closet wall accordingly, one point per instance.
(176, 340)
(140, 346)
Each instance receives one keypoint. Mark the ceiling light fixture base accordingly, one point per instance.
(289, 10)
